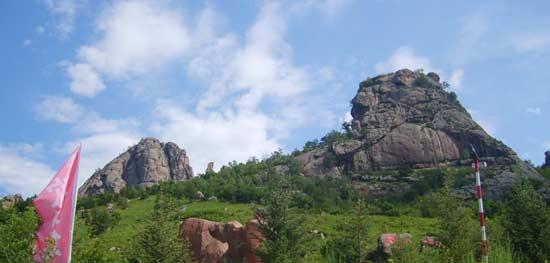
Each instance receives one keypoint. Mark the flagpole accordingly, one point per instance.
(479, 193)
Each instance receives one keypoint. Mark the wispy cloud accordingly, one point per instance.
(135, 38)
(64, 12)
(404, 57)
(85, 80)
(533, 111)
(59, 109)
(20, 172)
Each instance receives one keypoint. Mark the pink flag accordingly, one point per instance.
(56, 205)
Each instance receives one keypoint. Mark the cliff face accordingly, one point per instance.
(407, 119)
(145, 164)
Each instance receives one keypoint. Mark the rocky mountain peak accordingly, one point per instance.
(407, 119)
(144, 164)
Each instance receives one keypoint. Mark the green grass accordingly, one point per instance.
(134, 217)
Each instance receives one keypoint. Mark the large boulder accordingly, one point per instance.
(213, 242)
(147, 163)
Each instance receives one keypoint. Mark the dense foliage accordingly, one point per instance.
(527, 221)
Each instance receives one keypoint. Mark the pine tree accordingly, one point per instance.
(279, 227)
(158, 242)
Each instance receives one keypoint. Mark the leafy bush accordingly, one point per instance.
(527, 222)
(100, 220)
(17, 235)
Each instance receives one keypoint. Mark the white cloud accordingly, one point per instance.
(404, 57)
(59, 109)
(456, 79)
(534, 111)
(26, 42)
(261, 66)
(243, 74)
(93, 123)
(546, 145)
(64, 12)
(19, 173)
(217, 137)
(85, 80)
(136, 37)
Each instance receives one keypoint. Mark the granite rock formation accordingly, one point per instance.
(409, 119)
(144, 164)
(213, 242)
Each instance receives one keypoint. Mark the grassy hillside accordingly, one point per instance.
(133, 219)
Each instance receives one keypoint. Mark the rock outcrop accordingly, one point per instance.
(213, 242)
(390, 241)
(546, 160)
(409, 119)
(144, 164)
(10, 201)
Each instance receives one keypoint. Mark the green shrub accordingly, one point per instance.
(17, 235)
(100, 220)
(158, 241)
(279, 227)
(527, 222)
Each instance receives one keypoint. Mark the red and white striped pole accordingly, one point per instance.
(484, 245)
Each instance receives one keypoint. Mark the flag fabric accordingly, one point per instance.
(56, 206)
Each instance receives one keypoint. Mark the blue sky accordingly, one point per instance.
(227, 80)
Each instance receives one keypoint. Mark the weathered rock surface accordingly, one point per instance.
(390, 241)
(9, 201)
(144, 164)
(214, 242)
(408, 119)
(546, 160)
